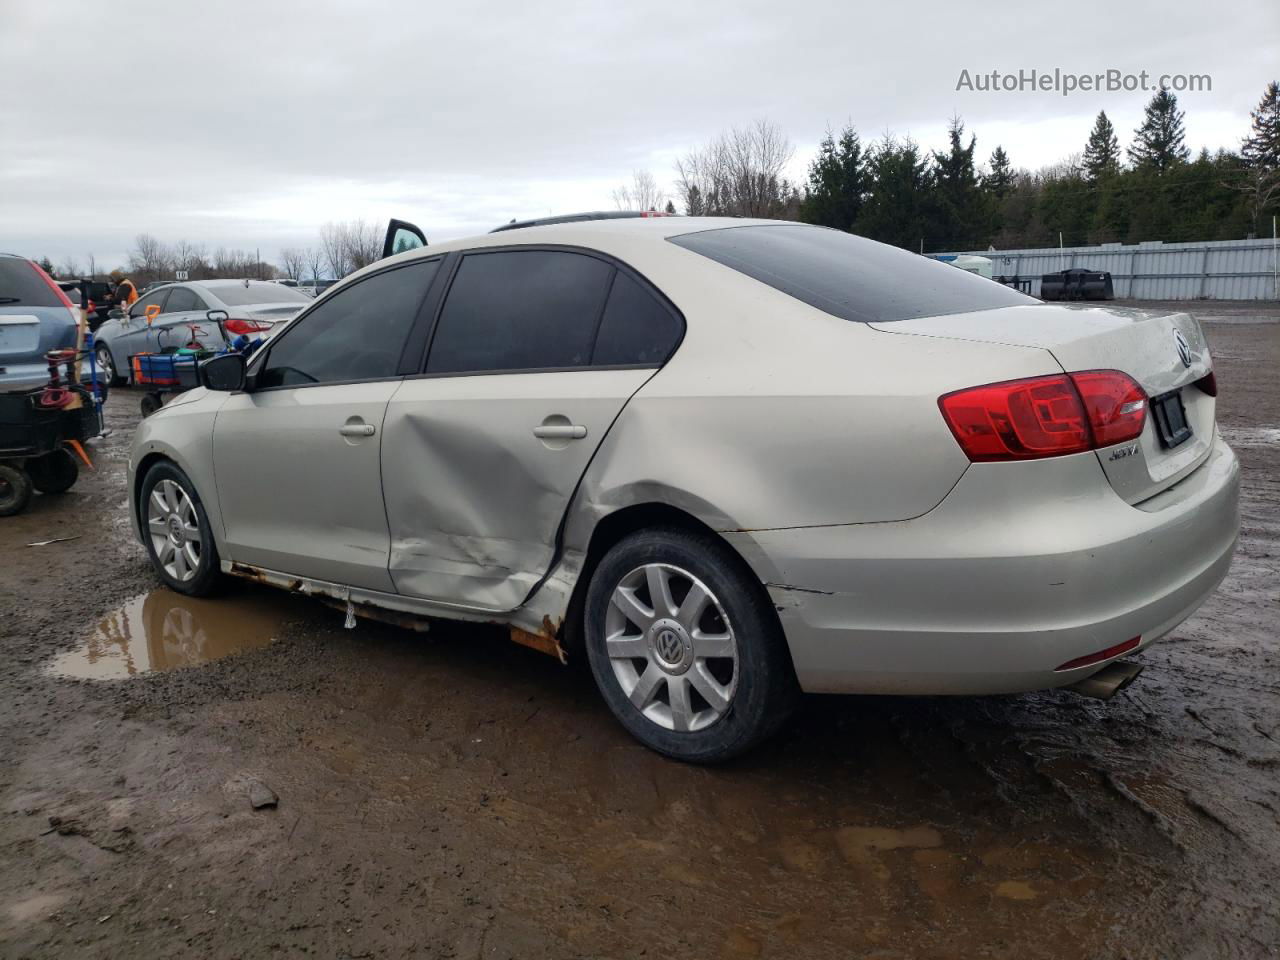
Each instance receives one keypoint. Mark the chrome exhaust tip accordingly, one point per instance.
(1108, 681)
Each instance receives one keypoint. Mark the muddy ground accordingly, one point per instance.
(454, 795)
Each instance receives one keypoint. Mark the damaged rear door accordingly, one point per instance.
(534, 353)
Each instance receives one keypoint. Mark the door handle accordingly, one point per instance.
(560, 431)
(357, 429)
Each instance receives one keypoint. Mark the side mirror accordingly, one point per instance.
(226, 372)
(115, 313)
(216, 316)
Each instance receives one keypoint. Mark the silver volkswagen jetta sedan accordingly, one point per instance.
(728, 460)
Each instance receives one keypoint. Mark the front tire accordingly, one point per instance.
(107, 366)
(685, 647)
(176, 528)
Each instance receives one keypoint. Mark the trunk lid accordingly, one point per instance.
(1145, 344)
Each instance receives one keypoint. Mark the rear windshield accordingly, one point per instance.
(849, 277)
(238, 295)
(21, 286)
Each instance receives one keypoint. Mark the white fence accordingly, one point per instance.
(1212, 270)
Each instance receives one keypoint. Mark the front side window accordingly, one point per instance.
(156, 297)
(520, 310)
(357, 334)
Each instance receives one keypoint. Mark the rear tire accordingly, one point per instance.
(55, 472)
(703, 673)
(150, 403)
(15, 490)
(177, 534)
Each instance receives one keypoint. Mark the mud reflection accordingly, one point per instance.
(163, 630)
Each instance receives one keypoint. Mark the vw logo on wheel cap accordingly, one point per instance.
(1184, 348)
(669, 646)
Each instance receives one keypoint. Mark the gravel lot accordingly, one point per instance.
(454, 795)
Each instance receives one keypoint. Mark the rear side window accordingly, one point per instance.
(357, 334)
(180, 299)
(21, 286)
(520, 310)
(636, 328)
(849, 277)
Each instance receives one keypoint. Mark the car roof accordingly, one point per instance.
(584, 233)
(223, 283)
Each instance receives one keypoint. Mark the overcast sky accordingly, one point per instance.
(249, 124)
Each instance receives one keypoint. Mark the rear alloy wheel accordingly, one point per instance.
(178, 536)
(676, 663)
(685, 647)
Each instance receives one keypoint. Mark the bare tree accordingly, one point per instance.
(364, 244)
(739, 174)
(293, 262)
(314, 259)
(69, 267)
(192, 258)
(643, 193)
(93, 267)
(149, 258)
(333, 242)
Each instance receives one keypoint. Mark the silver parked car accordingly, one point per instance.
(36, 316)
(727, 460)
(181, 316)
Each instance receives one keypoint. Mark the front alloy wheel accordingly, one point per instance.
(174, 530)
(178, 537)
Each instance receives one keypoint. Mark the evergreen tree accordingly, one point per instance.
(694, 205)
(670, 207)
(1262, 147)
(999, 180)
(837, 182)
(1159, 143)
(1102, 152)
(1260, 153)
(956, 211)
(46, 265)
(894, 208)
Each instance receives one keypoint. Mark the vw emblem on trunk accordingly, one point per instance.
(1184, 348)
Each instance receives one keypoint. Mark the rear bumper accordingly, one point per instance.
(1023, 567)
(23, 375)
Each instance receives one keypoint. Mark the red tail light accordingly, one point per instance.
(1116, 405)
(62, 294)
(238, 326)
(1018, 419)
(1045, 416)
(1208, 384)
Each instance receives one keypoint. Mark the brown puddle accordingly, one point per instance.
(163, 630)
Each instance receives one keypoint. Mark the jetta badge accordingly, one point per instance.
(1184, 348)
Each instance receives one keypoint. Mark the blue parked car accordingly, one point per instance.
(35, 317)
